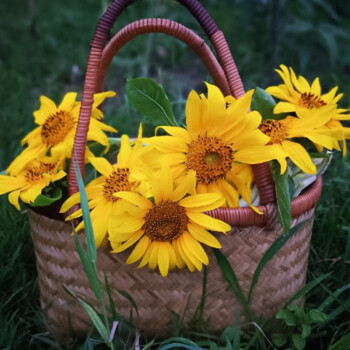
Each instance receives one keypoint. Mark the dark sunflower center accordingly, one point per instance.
(36, 173)
(56, 128)
(310, 101)
(165, 221)
(274, 129)
(117, 181)
(210, 157)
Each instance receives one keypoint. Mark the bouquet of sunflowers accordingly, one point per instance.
(153, 195)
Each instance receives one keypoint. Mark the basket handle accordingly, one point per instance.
(165, 26)
(262, 173)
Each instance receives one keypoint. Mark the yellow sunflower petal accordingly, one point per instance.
(167, 144)
(13, 198)
(202, 235)
(145, 258)
(178, 132)
(216, 101)
(163, 258)
(47, 108)
(139, 250)
(299, 156)
(70, 202)
(187, 185)
(195, 247)
(124, 152)
(284, 107)
(135, 199)
(153, 258)
(182, 256)
(194, 110)
(101, 96)
(316, 87)
(209, 222)
(102, 165)
(133, 239)
(202, 202)
(189, 254)
(165, 184)
(29, 195)
(68, 100)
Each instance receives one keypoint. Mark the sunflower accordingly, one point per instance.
(56, 130)
(167, 231)
(221, 132)
(123, 176)
(309, 125)
(31, 180)
(297, 93)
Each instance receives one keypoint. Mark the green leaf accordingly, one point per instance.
(231, 278)
(149, 98)
(299, 313)
(317, 316)
(307, 288)
(44, 200)
(306, 330)
(96, 320)
(342, 343)
(89, 268)
(264, 103)
(279, 339)
(298, 341)
(283, 196)
(269, 254)
(288, 317)
(129, 297)
(89, 232)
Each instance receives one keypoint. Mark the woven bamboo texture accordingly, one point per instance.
(58, 265)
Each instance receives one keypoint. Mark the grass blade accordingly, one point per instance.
(269, 254)
(333, 297)
(89, 268)
(342, 343)
(111, 301)
(129, 297)
(231, 278)
(340, 309)
(96, 320)
(90, 238)
(307, 288)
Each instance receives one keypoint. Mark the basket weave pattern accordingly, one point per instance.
(59, 265)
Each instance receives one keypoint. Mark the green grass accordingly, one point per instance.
(48, 56)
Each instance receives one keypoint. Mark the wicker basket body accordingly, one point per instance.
(58, 265)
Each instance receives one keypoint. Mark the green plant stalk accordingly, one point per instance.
(91, 254)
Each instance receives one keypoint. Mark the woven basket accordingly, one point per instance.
(158, 298)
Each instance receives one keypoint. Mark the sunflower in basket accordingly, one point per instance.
(296, 94)
(37, 170)
(168, 228)
(31, 180)
(125, 175)
(221, 135)
(56, 130)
